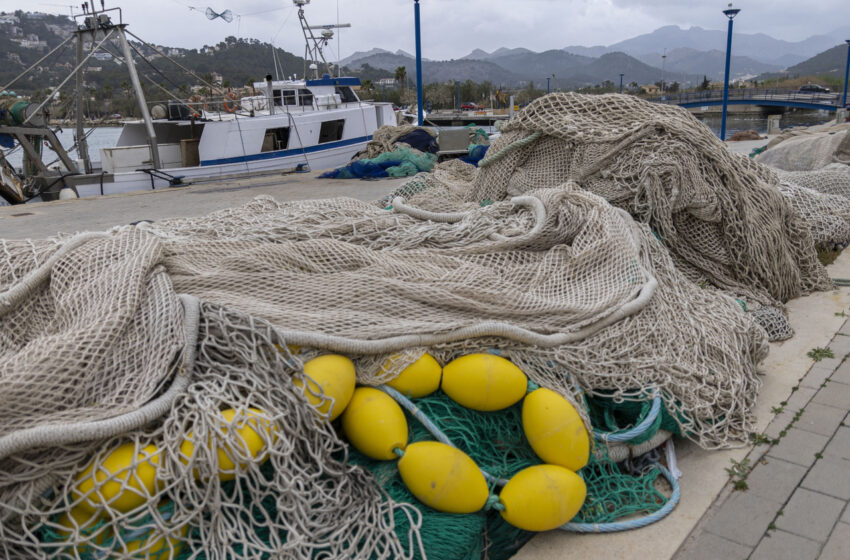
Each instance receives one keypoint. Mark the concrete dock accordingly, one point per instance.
(806, 474)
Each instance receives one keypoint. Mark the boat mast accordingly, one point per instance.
(313, 48)
(94, 23)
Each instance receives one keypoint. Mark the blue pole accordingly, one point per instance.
(458, 96)
(418, 64)
(846, 74)
(621, 83)
(547, 85)
(730, 13)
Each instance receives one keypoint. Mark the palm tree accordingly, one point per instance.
(401, 76)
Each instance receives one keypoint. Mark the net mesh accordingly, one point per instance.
(535, 256)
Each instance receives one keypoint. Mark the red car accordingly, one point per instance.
(469, 107)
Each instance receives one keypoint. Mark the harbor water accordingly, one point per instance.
(99, 138)
(736, 122)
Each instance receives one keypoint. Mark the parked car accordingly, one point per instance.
(470, 107)
(813, 88)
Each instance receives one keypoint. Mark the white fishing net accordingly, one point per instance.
(144, 335)
(808, 150)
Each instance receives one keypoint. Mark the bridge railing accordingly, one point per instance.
(755, 94)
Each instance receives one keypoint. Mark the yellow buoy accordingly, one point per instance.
(375, 424)
(124, 480)
(542, 497)
(555, 430)
(85, 524)
(419, 379)
(333, 374)
(443, 477)
(248, 441)
(163, 547)
(484, 382)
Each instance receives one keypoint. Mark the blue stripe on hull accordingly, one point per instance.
(287, 153)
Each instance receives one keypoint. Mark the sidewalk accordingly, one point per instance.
(793, 503)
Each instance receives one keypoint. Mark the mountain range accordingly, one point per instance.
(684, 55)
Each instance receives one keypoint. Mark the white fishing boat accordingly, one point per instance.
(296, 124)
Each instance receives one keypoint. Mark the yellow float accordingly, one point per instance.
(124, 480)
(542, 497)
(419, 379)
(443, 477)
(484, 382)
(335, 376)
(375, 424)
(554, 429)
(248, 425)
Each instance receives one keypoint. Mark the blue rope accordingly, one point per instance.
(631, 523)
(432, 428)
(632, 433)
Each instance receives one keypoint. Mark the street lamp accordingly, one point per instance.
(621, 83)
(729, 13)
(663, 63)
(552, 77)
(846, 74)
(420, 116)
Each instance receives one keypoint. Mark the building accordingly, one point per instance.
(650, 89)
(386, 82)
(217, 78)
(9, 19)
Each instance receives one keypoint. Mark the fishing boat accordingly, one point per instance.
(315, 122)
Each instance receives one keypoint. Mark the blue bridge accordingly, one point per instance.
(754, 96)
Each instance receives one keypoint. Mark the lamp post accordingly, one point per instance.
(547, 85)
(420, 116)
(729, 13)
(621, 83)
(846, 74)
(663, 64)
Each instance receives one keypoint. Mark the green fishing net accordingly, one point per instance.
(497, 443)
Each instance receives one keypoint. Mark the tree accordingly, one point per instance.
(705, 83)
(673, 88)
(401, 76)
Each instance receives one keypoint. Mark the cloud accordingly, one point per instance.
(452, 28)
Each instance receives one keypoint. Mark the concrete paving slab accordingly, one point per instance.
(775, 479)
(821, 419)
(842, 374)
(840, 444)
(845, 517)
(779, 545)
(834, 394)
(810, 514)
(743, 518)
(838, 545)
(712, 547)
(799, 447)
(830, 476)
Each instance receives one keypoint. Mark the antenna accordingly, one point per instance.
(313, 50)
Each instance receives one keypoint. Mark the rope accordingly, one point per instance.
(489, 160)
(432, 428)
(63, 434)
(632, 433)
(631, 523)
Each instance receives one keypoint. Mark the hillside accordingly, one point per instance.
(238, 61)
(828, 63)
(443, 71)
(709, 63)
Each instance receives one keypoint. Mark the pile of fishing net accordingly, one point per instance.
(721, 216)
(808, 149)
(394, 151)
(137, 363)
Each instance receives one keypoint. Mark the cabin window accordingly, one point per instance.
(275, 139)
(289, 97)
(331, 131)
(346, 94)
(305, 98)
(276, 97)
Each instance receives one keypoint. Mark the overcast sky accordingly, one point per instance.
(452, 28)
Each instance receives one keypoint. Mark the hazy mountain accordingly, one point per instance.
(830, 62)
(537, 66)
(609, 66)
(347, 61)
(479, 54)
(757, 46)
(708, 63)
(594, 52)
(443, 71)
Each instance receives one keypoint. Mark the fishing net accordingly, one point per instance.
(105, 345)
(721, 216)
(808, 150)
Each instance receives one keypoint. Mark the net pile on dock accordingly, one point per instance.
(808, 149)
(143, 336)
(721, 216)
